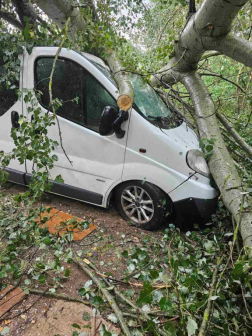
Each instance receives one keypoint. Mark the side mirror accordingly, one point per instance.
(108, 117)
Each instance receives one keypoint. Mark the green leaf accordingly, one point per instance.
(191, 327)
(75, 325)
(131, 268)
(27, 281)
(82, 291)
(47, 241)
(125, 254)
(154, 274)
(105, 332)
(98, 300)
(209, 148)
(165, 304)
(208, 245)
(146, 294)
(16, 274)
(67, 273)
(86, 316)
(112, 318)
(170, 327)
(5, 331)
(42, 278)
(3, 275)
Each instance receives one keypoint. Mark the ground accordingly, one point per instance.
(103, 247)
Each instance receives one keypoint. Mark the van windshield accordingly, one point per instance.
(146, 100)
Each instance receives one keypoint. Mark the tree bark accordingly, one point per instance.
(234, 47)
(220, 164)
(126, 97)
(25, 9)
(59, 10)
(8, 17)
(206, 30)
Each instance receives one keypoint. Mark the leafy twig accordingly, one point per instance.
(106, 293)
(208, 309)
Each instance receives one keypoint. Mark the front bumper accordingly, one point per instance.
(196, 210)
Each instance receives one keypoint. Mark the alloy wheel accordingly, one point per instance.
(137, 204)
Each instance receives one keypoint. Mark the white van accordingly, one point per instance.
(149, 162)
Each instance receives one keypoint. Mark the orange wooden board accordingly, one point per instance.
(57, 224)
(10, 299)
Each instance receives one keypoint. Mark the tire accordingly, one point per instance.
(142, 204)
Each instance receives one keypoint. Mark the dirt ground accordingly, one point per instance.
(103, 247)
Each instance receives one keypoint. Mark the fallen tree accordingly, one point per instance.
(209, 30)
(206, 30)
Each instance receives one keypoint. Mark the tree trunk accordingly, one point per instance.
(209, 29)
(221, 164)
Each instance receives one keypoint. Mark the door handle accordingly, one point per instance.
(15, 119)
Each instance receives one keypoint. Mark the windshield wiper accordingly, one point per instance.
(155, 118)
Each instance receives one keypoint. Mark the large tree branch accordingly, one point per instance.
(221, 164)
(24, 9)
(211, 23)
(234, 47)
(59, 10)
(9, 18)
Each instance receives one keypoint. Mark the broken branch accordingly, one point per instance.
(230, 129)
(106, 293)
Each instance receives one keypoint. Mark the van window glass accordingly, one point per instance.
(81, 97)
(147, 100)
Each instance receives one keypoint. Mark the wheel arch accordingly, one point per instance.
(119, 183)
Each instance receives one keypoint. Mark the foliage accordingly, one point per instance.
(207, 147)
(184, 262)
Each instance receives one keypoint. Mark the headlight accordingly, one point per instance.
(196, 161)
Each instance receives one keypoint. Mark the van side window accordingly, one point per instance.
(80, 96)
(8, 95)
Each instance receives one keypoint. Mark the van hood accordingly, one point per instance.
(184, 135)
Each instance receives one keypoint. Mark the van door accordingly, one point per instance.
(11, 108)
(96, 162)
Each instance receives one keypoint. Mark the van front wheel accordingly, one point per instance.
(142, 204)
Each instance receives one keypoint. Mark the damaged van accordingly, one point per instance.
(149, 160)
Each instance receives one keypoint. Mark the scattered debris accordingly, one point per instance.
(9, 297)
(60, 223)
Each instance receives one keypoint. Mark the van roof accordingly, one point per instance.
(89, 56)
(95, 59)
